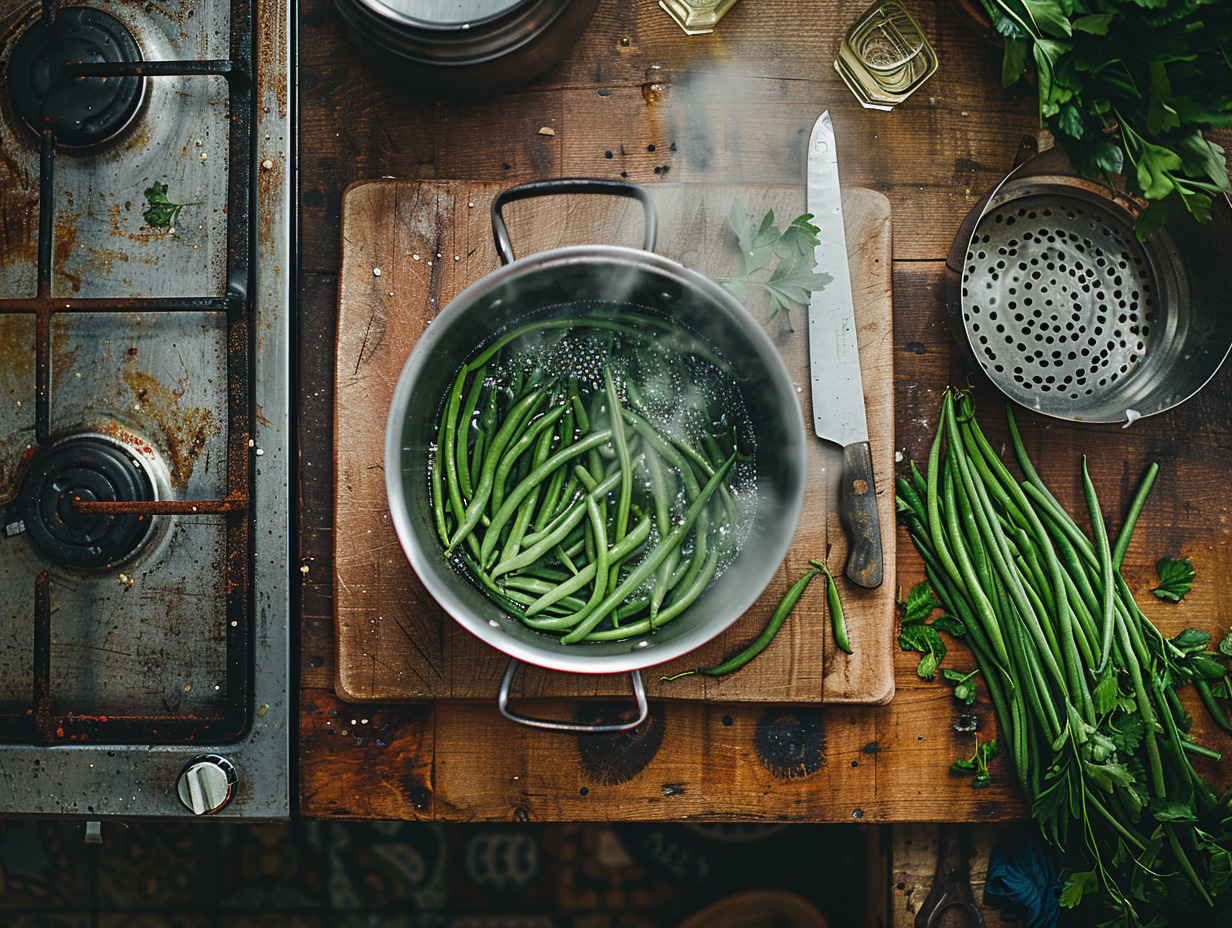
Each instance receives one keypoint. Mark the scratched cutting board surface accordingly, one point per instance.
(407, 248)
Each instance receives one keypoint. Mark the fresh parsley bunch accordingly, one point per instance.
(1128, 87)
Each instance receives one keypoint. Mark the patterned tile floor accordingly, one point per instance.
(412, 875)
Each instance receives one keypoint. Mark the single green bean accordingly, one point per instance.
(462, 449)
(1105, 566)
(622, 453)
(662, 494)
(437, 485)
(1208, 699)
(563, 556)
(835, 605)
(1131, 517)
(762, 641)
(448, 439)
(620, 632)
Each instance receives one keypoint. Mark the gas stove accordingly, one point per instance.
(145, 280)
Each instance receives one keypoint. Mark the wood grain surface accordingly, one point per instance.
(639, 100)
(428, 240)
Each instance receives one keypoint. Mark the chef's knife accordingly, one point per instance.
(834, 363)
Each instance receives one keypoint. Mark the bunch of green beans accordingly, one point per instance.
(560, 494)
(1083, 684)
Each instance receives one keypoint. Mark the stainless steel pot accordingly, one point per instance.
(641, 282)
(464, 47)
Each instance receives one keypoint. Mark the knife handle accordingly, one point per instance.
(857, 509)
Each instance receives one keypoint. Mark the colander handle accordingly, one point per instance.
(639, 695)
(560, 185)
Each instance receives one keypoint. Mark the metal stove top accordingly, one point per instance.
(145, 211)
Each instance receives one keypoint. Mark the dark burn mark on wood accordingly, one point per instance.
(916, 347)
(791, 743)
(871, 748)
(619, 757)
(419, 795)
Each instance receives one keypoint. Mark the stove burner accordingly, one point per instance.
(80, 112)
(89, 469)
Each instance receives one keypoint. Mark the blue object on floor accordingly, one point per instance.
(1022, 882)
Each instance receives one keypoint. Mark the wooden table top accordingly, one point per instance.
(637, 99)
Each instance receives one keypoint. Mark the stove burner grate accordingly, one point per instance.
(81, 112)
(85, 469)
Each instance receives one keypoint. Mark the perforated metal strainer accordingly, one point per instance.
(1069, 314)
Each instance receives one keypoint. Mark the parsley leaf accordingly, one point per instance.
(1176, 578)
(794, 276)
(920, 603)
(160, 213)
(1076, 886)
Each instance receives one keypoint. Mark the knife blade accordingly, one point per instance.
(834, 362)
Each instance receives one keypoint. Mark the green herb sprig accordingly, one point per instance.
(977, 763)
(1128, 87)
(964, 687)
(794, 276)
(160, 212)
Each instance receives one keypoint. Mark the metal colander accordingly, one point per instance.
(1069, 314)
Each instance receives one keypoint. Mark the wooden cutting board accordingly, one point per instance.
(407, 249)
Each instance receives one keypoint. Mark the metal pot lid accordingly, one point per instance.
(443, 14)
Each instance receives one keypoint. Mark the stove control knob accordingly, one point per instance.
(207, 783)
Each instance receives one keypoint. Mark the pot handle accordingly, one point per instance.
(639, 694)
(561, 185)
